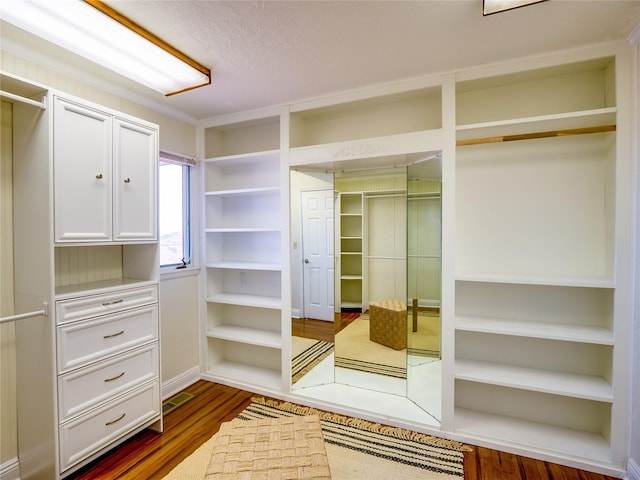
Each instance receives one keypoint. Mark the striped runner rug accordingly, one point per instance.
(359, 449)
(306, 354)
(356, 449)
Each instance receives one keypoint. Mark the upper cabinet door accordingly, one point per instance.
(135, 167)
(82, 173)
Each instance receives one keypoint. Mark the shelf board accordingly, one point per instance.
(545, 381)
(532, 435)
(351, 277)
(375, 152)
(546, 330)
(350, 253)
(69, 291)
(238, 192)
(245, 158)
(247, 375)
(246, 300)
(242, 229)
(276, 267)
(526, 125)
(568, 281)
(252, 336)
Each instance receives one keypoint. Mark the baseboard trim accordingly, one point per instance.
(178, 383)
(633, 470)
(10, 470)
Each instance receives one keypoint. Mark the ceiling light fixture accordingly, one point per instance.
(490, 7)
(99, 33)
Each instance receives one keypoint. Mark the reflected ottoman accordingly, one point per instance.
(388, 323)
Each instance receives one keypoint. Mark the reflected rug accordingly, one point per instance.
(306, 354)
(354, 350)
(356, 449)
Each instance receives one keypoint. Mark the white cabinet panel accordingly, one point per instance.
(80, 343)
(82, 174)
(95, 305)
(87, 434)
(134, 172)
(87, 387)
(105, 175)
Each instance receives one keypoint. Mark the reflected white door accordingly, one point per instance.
(318, 254)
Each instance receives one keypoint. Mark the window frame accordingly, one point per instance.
(189, 248)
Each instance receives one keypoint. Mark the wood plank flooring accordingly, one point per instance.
(151, 456)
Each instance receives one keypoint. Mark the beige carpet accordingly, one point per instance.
(356, 449)
(426, 340)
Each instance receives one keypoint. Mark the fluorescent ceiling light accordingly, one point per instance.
(95, 31)
(495, 6)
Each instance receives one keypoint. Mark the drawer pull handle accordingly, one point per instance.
(115, 421)
(114, 334)
(106, 304)
(114, 378)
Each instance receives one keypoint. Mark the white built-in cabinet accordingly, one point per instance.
(535, 252)
(242, 208)
(104, 176)
(85, 245)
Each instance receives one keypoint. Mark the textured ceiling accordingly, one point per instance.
(264, 53)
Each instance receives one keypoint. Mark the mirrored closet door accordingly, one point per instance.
(386, 313)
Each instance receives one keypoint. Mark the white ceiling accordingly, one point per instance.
(264, 53)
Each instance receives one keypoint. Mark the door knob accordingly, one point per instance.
(306, 260)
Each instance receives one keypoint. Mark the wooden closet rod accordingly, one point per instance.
(530, 136)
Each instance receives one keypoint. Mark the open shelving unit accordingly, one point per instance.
(242, 241)
(351, 242)
(535, 265)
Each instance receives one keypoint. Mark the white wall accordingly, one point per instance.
(8, 426)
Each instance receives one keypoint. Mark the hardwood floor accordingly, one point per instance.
(150, 456)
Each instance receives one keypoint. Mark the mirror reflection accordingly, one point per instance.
(371, 242)
(366, 292)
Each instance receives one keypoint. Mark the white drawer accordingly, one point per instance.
(87, 434)
(89, 306)
(88, 387)
(81, 343)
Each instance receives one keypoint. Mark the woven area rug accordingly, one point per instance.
(306, 354)
(356, 449)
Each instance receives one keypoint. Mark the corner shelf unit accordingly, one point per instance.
(350, 237)
(535, 288)
(242, 243)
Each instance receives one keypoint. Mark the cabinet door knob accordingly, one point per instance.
(127, 180)
(306, 260)
(99, 176)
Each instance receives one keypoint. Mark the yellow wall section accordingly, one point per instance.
(8, 426)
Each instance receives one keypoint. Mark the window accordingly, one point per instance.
(174, 180)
